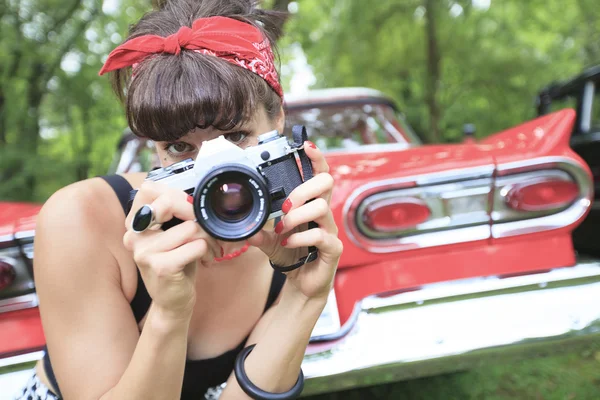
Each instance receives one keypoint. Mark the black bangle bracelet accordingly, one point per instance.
(254, 391)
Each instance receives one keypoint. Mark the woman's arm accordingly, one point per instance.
(158, 361)
(274, 363)
(281, 337)
(92, 336)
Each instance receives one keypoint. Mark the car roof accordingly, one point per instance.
(567, 87)
(337, 96)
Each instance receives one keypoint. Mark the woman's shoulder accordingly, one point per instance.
(90, 204)
(85, 221)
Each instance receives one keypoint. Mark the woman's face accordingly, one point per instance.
(243, 136)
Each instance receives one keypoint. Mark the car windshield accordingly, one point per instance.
(346, 126)
(336, 126)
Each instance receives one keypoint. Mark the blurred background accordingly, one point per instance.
(445, 62)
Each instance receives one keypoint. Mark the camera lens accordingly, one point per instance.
(232, 201)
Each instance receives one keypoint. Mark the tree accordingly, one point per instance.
(433, 68)
(449, 62)
(33, 45)
(50, 93)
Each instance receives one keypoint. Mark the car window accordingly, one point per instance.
(134, 155)
(338, 127)
(331, 127)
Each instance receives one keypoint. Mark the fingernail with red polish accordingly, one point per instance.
(284, 242)
(279, 227)
(286, 206)
(311, 144)
(190, 199)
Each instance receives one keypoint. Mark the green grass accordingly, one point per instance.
(564, 377)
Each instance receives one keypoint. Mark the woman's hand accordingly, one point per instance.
(167, 259)
(290, 239)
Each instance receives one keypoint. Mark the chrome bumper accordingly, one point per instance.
(441, 328)
(453, 326)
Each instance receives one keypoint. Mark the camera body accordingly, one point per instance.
(236, 191)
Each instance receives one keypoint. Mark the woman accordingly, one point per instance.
(164, 314)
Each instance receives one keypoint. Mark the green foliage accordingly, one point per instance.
(492, 60)
(59, 121)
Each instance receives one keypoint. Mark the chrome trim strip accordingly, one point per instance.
(28, 250)
(344, 329)
(439, 199)
(463, 174)
(465, 234)
(457, 325)
(25, 235)
(19, 303)
(21, 359)
(588, 270)
(6, 238)
(429, 239)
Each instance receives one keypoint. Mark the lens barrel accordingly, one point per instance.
(232, 202)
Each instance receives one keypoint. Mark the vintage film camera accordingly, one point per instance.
(236, 191)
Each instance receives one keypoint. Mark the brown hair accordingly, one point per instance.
(172, 94)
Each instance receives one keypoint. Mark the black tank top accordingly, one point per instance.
(199, 375)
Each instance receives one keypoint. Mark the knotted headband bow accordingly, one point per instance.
(234, 41)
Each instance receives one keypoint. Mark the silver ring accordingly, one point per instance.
(143, 219)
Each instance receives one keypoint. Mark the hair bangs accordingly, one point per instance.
(170, 96)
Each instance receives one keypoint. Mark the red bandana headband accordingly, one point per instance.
(234, 41)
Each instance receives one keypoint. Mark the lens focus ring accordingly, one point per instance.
(232, 202)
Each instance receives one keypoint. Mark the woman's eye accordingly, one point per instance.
(236, 137)
(179, 148)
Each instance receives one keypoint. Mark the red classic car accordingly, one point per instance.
(454, 254)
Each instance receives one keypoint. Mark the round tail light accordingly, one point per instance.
(542, 196)
(7, 274)
(395, 214)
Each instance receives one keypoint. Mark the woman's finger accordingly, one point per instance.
(175, 260)
(317, 159)
(173, 204)
(165, 201)
(316, 210)
(319, 186)
(330, 247)
(266, 241)
(159, 241)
